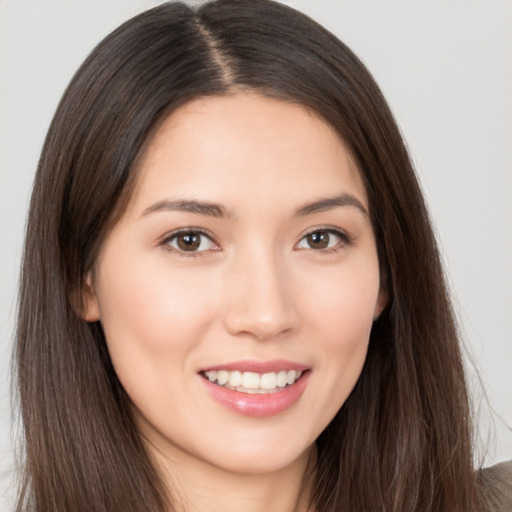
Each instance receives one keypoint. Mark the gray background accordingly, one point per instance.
(446, 69)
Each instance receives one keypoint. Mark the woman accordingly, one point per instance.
(231, 293)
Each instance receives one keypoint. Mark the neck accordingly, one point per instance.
(196, 486)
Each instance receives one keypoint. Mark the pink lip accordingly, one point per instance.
(274, 365)
(258, 405)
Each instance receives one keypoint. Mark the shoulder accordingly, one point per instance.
(497, 486)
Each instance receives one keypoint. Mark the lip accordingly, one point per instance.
(258, 405)
(274, 365)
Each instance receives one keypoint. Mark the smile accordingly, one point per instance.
(252, 382)
(256, 388)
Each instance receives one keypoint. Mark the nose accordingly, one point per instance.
(260, 301)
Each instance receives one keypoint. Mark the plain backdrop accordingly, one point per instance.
(445, 67)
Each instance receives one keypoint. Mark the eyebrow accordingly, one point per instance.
(329, 203)
(190, 206)
(217, 210)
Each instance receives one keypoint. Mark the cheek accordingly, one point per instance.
(147, 297)
(344, 307)
(147, 313)
(341, 319)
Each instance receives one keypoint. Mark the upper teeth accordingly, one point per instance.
(251, 382)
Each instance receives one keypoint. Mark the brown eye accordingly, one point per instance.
(190, 241)
(322, 239)
(318, 240)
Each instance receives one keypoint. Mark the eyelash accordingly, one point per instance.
(189, 231)
(345, 240)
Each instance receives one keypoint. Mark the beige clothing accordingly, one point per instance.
(497, 482)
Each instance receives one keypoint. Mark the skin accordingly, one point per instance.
(255, 289)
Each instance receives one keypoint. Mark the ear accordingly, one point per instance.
(382, 302)
(90, 305)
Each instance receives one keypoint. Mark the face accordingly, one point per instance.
(237, 292)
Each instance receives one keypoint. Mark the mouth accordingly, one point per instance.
(256, 388)
(253, 382)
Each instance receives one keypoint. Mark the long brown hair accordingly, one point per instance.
(402, 440)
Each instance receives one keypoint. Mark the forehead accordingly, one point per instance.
(243, 147)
